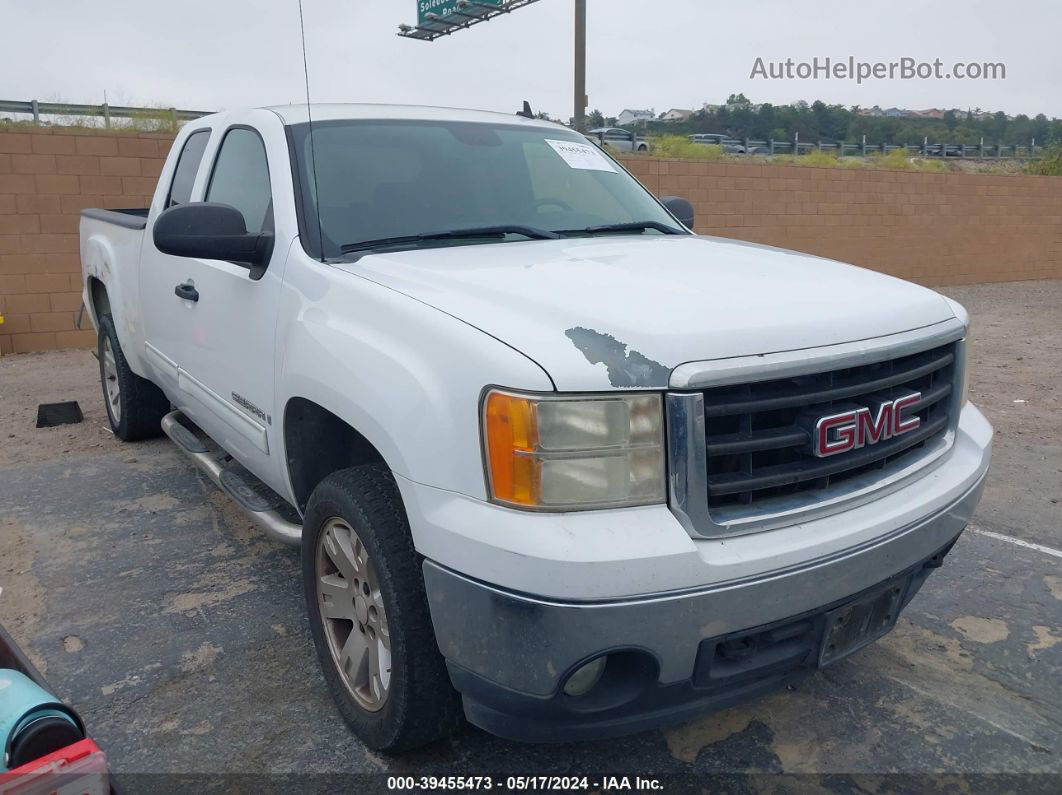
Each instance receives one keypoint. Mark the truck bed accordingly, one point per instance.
(110, 253)
(131, 218)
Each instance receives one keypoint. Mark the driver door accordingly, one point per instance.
(220, 335)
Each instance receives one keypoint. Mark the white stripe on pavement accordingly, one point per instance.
(1018, 542)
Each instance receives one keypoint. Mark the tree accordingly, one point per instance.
(740, 118)
(999, 126)
(1040, 129)
(595, 119)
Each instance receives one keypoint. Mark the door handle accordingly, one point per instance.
(186, 291)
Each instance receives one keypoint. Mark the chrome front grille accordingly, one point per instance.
(757, 449)
(742, 453)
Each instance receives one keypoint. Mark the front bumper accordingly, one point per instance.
(509, 654)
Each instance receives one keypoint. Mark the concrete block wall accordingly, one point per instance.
(47, 176)
(933, 228)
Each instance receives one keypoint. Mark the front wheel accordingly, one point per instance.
(369, 614)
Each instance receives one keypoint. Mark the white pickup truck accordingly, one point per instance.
(553, 460)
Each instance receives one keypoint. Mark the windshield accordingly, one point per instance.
(381, 180)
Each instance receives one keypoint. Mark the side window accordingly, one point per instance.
(187, 167)
(241, 178)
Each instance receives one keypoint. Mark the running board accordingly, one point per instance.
(238, 485)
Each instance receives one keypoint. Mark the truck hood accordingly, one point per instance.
(622, 312)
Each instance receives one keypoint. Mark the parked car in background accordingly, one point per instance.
(553, 459)
(618, 139)
(729, 145)
(944, 150)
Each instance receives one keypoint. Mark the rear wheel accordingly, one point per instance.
(135, 406)
(369, 613)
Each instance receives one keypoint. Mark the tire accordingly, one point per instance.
(406, 701)
(135, 406)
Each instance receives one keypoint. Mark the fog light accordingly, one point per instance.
(584, 679)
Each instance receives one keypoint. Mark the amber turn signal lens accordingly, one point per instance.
(511, 435)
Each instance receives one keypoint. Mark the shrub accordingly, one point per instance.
(1050, 165)
(818, 158)
(153, 120)
(901, 160)
(680, 148)
(897, 159)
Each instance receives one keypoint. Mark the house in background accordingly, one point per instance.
(931, 113)
(676, 114)
(634, 117)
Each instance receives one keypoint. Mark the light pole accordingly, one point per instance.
(580, 65)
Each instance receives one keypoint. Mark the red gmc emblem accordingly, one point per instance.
(850, 430)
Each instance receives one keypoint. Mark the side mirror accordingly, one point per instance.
(680, 208)
(208, 230)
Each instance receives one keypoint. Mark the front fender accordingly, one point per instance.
(406, 376)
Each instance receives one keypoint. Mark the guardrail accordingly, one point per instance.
(107, 112)
(979, 151)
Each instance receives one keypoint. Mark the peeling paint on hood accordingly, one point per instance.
(662, 300)
(625, 369)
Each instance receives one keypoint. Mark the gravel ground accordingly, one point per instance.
(179, 632)
(1016, 379)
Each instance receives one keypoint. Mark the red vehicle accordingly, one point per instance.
(78, 767)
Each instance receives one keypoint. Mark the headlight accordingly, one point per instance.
(550, 453)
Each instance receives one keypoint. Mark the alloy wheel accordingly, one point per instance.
(353, 615)
(110, 382)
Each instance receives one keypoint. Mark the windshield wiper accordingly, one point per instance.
(633, 226)
(453, 234)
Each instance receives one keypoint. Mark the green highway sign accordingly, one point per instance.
(446, 8)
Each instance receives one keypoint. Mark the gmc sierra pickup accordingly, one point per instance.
(553, 460)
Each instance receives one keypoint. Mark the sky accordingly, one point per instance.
(225, 54)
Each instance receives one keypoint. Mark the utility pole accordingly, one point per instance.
(580, 65)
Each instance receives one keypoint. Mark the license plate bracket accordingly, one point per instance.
(855, 624)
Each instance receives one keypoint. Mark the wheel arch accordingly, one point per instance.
(318, 442)
(109, 261)
(99, 299)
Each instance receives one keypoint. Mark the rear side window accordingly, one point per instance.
(187, 167)
(241, 178)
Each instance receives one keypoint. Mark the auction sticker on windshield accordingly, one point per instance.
(581, 156)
